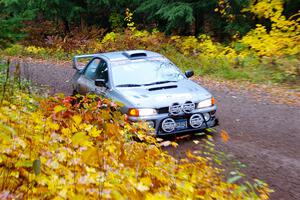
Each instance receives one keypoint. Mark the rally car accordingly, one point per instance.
(151, 88)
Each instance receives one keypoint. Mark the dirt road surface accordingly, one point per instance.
(264, 127)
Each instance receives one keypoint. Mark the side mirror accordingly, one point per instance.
(100, 82)
(189, 73)
(81, 71)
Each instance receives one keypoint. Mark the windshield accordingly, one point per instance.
(138, 73)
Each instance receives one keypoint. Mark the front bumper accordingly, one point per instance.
(159, 118)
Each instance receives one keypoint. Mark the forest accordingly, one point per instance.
(257, 41)
(219, 19)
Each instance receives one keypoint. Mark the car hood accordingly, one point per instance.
(163, 95)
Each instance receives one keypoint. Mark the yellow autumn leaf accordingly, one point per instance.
(174, 144)
(141, 187)
(111, 148)
(94, 132)
(80, 139)
(66, 131)
(77, 119)
(78, 197)
(115, 194)
(156, 196)
(54, 126)
(14, 174)
(91, 156)
(4, 138)
(225, 136)
(59, 108)
(73, 128)
(146, 181)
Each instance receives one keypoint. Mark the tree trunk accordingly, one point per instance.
(199, 22)
(66, 26)
(83, 24)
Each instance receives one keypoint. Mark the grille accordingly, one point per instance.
(163, 110)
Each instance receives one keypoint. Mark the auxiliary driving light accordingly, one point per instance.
(150, 124)
(168, 125)
(206, 116)
(188, 107)
(196, 121)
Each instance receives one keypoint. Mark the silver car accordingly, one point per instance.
(150, 87)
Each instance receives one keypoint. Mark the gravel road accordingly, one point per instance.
(263, 135)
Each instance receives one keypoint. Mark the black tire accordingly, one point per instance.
(74, 93)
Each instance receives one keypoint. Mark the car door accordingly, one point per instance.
(86, 82)
(102, 73)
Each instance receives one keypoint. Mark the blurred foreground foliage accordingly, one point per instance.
(83, 148)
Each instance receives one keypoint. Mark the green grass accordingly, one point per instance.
(250, 69)
(219, 69)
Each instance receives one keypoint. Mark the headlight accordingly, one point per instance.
(140, 112)
(206, 103)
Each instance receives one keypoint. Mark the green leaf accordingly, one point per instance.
(25, 163)
(234, 179)
(199, 134)
(37, 166)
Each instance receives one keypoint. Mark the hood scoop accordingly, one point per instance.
(163, 88)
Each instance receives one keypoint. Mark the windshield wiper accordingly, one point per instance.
(129, 85)
(158, 82)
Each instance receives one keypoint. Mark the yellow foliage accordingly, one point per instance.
(282, 39)
(140, 34)
(128, 20)
(266, 8)
(75, 153)
(110, 37)
(35, 50)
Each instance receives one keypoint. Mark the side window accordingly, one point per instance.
(102, 71)
(90, 72)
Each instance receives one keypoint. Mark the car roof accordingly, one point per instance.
(130, 55)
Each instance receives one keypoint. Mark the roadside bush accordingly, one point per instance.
(283, 38)
(14, 50)
(33, 50)
(201, 54)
